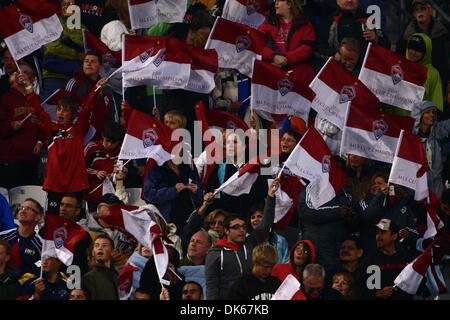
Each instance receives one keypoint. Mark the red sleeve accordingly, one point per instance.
(42, 117)
(301, 44)
(83, 123)
(267, 53)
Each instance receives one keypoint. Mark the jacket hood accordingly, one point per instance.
(427, 58)
(417, 111)
(225, 244)
(311, 247)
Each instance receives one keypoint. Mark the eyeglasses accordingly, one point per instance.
(238, 226)
(218, 223)
(28, 209)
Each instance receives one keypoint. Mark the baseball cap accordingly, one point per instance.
(387, 225)
(417, 43)
(416, 2)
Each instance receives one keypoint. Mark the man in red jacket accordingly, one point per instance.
(21, 139)
(83, 83)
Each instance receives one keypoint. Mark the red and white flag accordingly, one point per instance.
(204, 65)
(159, 61)
(282, 202)
(59, 238)
(335, 87)
(146, 137)
(27, 25)
(392, 78)
(411, 276)
(372, 134)
(91, 42)
(279, 93)
(242, 181)
(409, 167)
(125, 281)
(132, 220)
(312, 159)
(236, 44)
(434, 223)
(160, 254)
(249, 12)
(145, 13)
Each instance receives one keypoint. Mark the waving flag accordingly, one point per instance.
(125, 281)
(160, 254)
(242, 181)
(91, 42)
(335, 87)
(372, 134)
(204, 65)
(289, 288)
(434, 223)
(409, 167)
(27, 25)
(150, 59)
(311, 159)
(145, 13)
(279, 93)
(392, 78)
(146, 137)
(59, 238)
(249, 12)
(282, 202)
(237, 45)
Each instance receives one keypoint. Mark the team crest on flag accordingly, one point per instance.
(26, 22)
(231, 125)
(59, 236)
(285, 86)
(144, 56)
(157, 62)
(252, 6)
(379, 128)
(242, 43)
(347, 94)
(149, 137)
(326, 164)
(396, 74)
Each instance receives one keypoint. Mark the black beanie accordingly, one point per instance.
(417, 43)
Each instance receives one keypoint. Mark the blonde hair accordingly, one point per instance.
(177, 116)
(264, 254)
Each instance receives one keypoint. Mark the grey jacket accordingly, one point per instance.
(223, 266)
(440, 132)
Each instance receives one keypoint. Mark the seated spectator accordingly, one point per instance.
(142, 294)
(25, 243)
(348, 54)
(101, 282)
(10, 287)
(419, 50)
(314, 284)
(343, 282)
(275, 240)
(291, 39)
(258, 284)
(423, 21)
(52, 286)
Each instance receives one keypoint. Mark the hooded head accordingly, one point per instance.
(418, 110)
(308, 251)
(419, 43)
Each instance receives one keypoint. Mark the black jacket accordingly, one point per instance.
(248, 287)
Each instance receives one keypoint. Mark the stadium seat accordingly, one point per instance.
(18, 194)
(134, 196)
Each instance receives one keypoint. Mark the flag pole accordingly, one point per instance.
(101, 184)
(123, 61)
